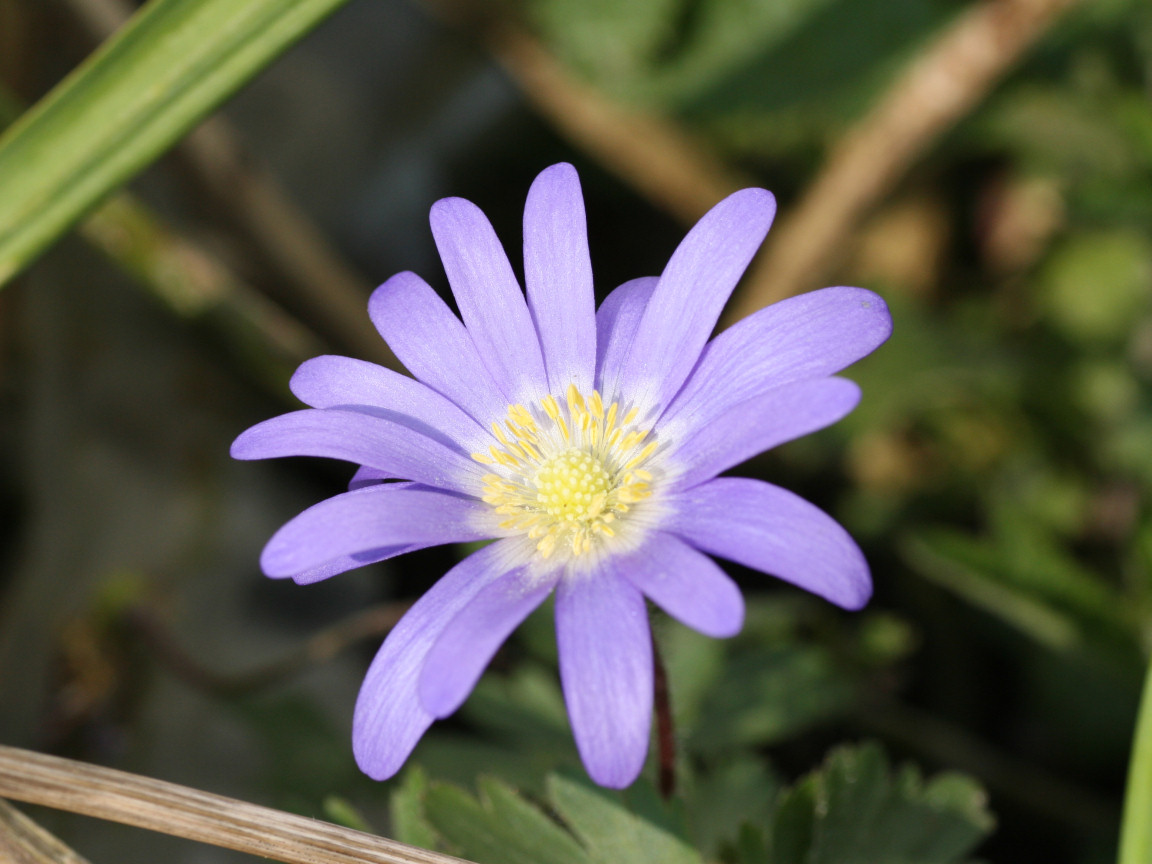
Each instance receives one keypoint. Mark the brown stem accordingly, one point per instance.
(665, 728)
(950, 76)
(652, 153)
(183, 812)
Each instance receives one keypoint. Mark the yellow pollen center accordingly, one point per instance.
(572, 485)
(565, 476)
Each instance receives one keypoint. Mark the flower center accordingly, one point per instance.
(572, 485)
(565, 476)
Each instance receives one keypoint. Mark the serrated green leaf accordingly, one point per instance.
(170, 66)
(794, 825)
(406, 807)
(500, 827)
(610, 832)
(752, 845)
(739, 791)
(856, 810)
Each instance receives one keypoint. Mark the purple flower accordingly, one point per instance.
(588, 442)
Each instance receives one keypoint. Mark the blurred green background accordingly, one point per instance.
(997, 472)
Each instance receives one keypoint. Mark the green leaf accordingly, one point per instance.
(341, 811)
(727, 797)
(500, 827)
(610, 832)
(856, 810)
(769, 694)
(175, 62)
(406, 807)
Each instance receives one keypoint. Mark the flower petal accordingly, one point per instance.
(342, 382)
(490, 300)
(434, 346)
(772, 530)
(693, 289)
(351, 562)
(473, 636)
(616, 322)
(686, 584)
(371, 519)
(366, 476)
(809, 336)
(389, 718)
(365, 440)
(757, 425)
(558, 276)
(606, 672)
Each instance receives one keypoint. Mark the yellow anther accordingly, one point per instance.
(596, 405)
(611, 421)
(499, 433)
(644, 454)
(503, 458)
(632, 439)
(547, 545)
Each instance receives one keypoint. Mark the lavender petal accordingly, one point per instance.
(372, 519)
(606, 673)
(342, 382)
(693, 289)
(389, 718)
(350, 562)
(366, 476)
(466, 646)
(772, 530)
(757, 425)
(362, 439)
(489, 298)
(558, 276)
(809, 336)
(434, 346)
(686, 584)
(616, 322)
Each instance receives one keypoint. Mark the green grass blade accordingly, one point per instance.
(171, 65)
(1136, 827)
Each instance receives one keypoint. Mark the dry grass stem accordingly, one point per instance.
(183, 812)
(650, 153)
(22, 841)
(950, 76)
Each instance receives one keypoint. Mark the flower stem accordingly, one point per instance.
(665, 730)
(1136, 824)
